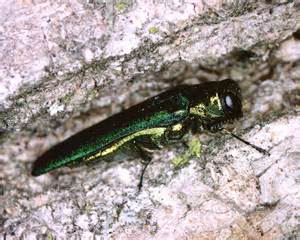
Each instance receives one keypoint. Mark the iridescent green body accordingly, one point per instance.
(159, 119)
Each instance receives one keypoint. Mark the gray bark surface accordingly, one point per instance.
(66, 65)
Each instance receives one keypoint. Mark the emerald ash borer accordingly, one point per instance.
(150, 124)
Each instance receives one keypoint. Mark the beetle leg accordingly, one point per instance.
(146, 159)
(195, 126)
(145, 165)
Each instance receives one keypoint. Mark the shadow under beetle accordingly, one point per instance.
(150, 125)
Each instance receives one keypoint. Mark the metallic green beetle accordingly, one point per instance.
(157, 121)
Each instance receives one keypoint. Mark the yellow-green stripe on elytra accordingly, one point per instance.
(156, 132)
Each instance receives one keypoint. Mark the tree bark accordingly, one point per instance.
(66, 65)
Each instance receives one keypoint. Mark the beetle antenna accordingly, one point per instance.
(261, 150)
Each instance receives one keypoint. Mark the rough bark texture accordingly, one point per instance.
(68, 64)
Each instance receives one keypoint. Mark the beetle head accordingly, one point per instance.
(220, 102)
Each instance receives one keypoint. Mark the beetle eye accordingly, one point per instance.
(229, 101)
